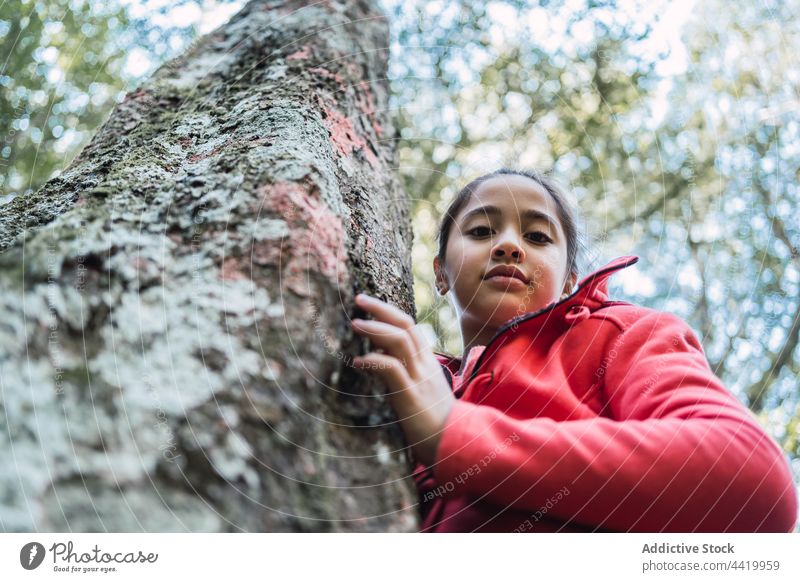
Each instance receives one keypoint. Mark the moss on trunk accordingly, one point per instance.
(175, 342)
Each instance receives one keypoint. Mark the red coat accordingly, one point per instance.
(595, 415)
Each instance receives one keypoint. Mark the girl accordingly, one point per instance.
(568, 411)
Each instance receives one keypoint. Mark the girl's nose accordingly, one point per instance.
(508, 246)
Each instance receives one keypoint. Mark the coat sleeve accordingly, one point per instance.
(677, 451)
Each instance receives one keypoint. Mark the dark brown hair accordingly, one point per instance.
(565, 214)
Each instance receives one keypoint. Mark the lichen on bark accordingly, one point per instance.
(175, 342)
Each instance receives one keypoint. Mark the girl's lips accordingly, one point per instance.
(506, 282)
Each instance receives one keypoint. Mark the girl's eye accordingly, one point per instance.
(480, 231)
(540, 237)
(537, 236)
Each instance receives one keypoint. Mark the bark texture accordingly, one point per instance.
(175, 339)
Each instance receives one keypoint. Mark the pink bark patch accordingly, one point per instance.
(303, 53)
(326, 74)
(231, 270)
(315, 243)
(344, 136)
(139, 95)
(266, 254)
(365, 100)
(202, 156)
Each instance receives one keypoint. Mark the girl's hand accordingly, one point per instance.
(418, 389)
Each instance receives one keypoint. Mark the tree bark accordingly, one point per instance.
(175, 340)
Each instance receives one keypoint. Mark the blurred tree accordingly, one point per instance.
(734, 116)
(61, 72)
(65, 64)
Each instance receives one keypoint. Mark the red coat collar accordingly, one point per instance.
(595, 285)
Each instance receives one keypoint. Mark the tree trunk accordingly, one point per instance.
(175, 340)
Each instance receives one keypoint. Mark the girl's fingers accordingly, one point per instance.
(397, 342)
(385, 311)
(392, 315)
(391, 369)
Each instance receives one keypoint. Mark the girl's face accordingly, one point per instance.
(506, 255)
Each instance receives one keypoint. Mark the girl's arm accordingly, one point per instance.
(680, 453)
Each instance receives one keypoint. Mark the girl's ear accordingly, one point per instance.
(441, 280)
(569, 285)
